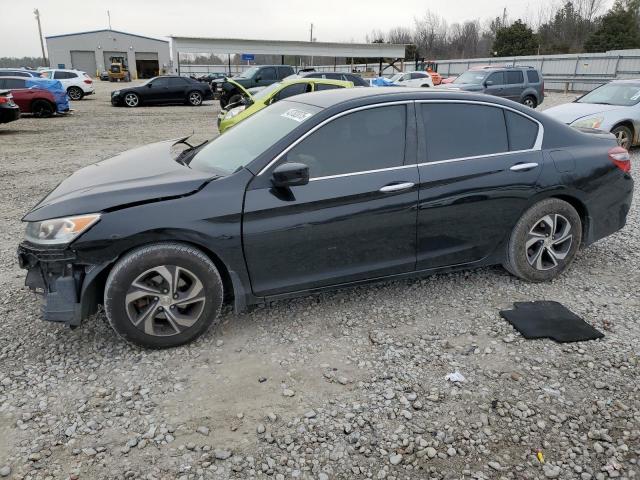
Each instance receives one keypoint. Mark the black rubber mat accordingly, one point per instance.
(549, 320)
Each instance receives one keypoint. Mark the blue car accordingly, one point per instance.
(56, 88)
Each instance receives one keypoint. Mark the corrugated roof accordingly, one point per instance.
(106, 30)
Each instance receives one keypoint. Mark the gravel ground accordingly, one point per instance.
(348, 384)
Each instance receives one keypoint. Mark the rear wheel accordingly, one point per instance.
(42, 109)
(131, 99)
(545, 241)
(530, 101)
(624, 135)
(163, 295)
(194, 98)
(75, 93)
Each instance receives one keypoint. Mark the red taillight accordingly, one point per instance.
(5, 100)
(88, 80)
(620, 158)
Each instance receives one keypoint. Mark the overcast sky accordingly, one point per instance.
(334, 20)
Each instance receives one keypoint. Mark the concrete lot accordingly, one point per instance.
(349, 384)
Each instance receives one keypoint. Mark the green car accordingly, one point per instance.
(254, 102)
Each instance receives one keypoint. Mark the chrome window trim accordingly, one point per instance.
(323, 123)
(537, 146)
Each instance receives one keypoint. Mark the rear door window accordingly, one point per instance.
(484, 130)
(514, 77)
(416, 75)
(370, 139)
(326, 86)
(522, 131)
(177, 82)
(63, 75)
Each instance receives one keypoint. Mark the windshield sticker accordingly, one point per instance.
(297, 115)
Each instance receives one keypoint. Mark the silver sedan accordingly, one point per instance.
(613, 107)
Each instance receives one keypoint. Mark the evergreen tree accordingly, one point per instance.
(618, 28)
(516, 39)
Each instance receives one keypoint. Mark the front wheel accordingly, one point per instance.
(75, 93)
(426, 85)
(163, 295)
(131, 100)
(194, 98)
(545, 241)
(623, 136)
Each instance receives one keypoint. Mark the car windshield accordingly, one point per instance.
(265, 92)
(248, 139)
(472, 77)
(248, 73)
(620, 94)
(396, 77)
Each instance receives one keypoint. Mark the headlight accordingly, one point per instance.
(591, 122)
(115, 93)
(59, 231)
(234, 111)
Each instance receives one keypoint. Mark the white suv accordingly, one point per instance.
(76, 83)
(413, 79)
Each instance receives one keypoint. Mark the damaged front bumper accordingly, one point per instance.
(68, 286)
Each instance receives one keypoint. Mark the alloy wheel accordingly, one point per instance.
(622, 138)
(529, 102)
(75, 93)
(548, 242)
(165, 300)
(195, 98)
(131, 99)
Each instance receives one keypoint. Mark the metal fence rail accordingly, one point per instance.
(576, 72)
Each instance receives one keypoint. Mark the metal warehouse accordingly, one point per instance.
(92, 52)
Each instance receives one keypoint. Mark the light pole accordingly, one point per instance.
(311, 40)
(44, 55)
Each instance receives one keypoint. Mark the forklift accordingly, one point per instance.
(119, 70)
(431, 67)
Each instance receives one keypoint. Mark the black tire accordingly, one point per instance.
(194, 98)
(234, 99)
(530, 101)
(131, 100)
(542, 236)
(165, 333)
(624, 136)
(75, 93)
(42, 109)
(426, 85)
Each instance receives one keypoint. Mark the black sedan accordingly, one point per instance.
(319, 191)
(9, 111)
(165, 89)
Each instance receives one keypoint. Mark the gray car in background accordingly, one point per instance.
(521, 84)
(613, 107)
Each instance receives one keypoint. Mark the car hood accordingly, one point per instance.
(142, 175)
(243, 91)
(570, 112)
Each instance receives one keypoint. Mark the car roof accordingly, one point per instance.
(324, 81)
(626, 80)
(354, 97)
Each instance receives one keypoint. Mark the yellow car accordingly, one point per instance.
(256, 101)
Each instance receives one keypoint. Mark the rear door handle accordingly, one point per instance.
(396, 187)
(522, 167)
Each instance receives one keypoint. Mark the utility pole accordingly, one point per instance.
(311, 40)
(109, 17)
(44, 55)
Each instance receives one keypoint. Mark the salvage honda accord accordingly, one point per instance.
(320, 191)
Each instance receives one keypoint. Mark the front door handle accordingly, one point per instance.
(396, 187)
(523, 167)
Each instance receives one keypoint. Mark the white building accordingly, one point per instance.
(91, 52)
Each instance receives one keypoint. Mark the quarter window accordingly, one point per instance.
(522, 131)
(463, 130)
(370, 139)
(514, 77)
(533, 76)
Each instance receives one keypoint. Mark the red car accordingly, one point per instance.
(39, 102)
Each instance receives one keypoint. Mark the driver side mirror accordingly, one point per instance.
(149, 85)
(488, 83)
(258, 78)
(290, 175)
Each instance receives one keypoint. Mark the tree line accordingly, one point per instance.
(574, 26)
